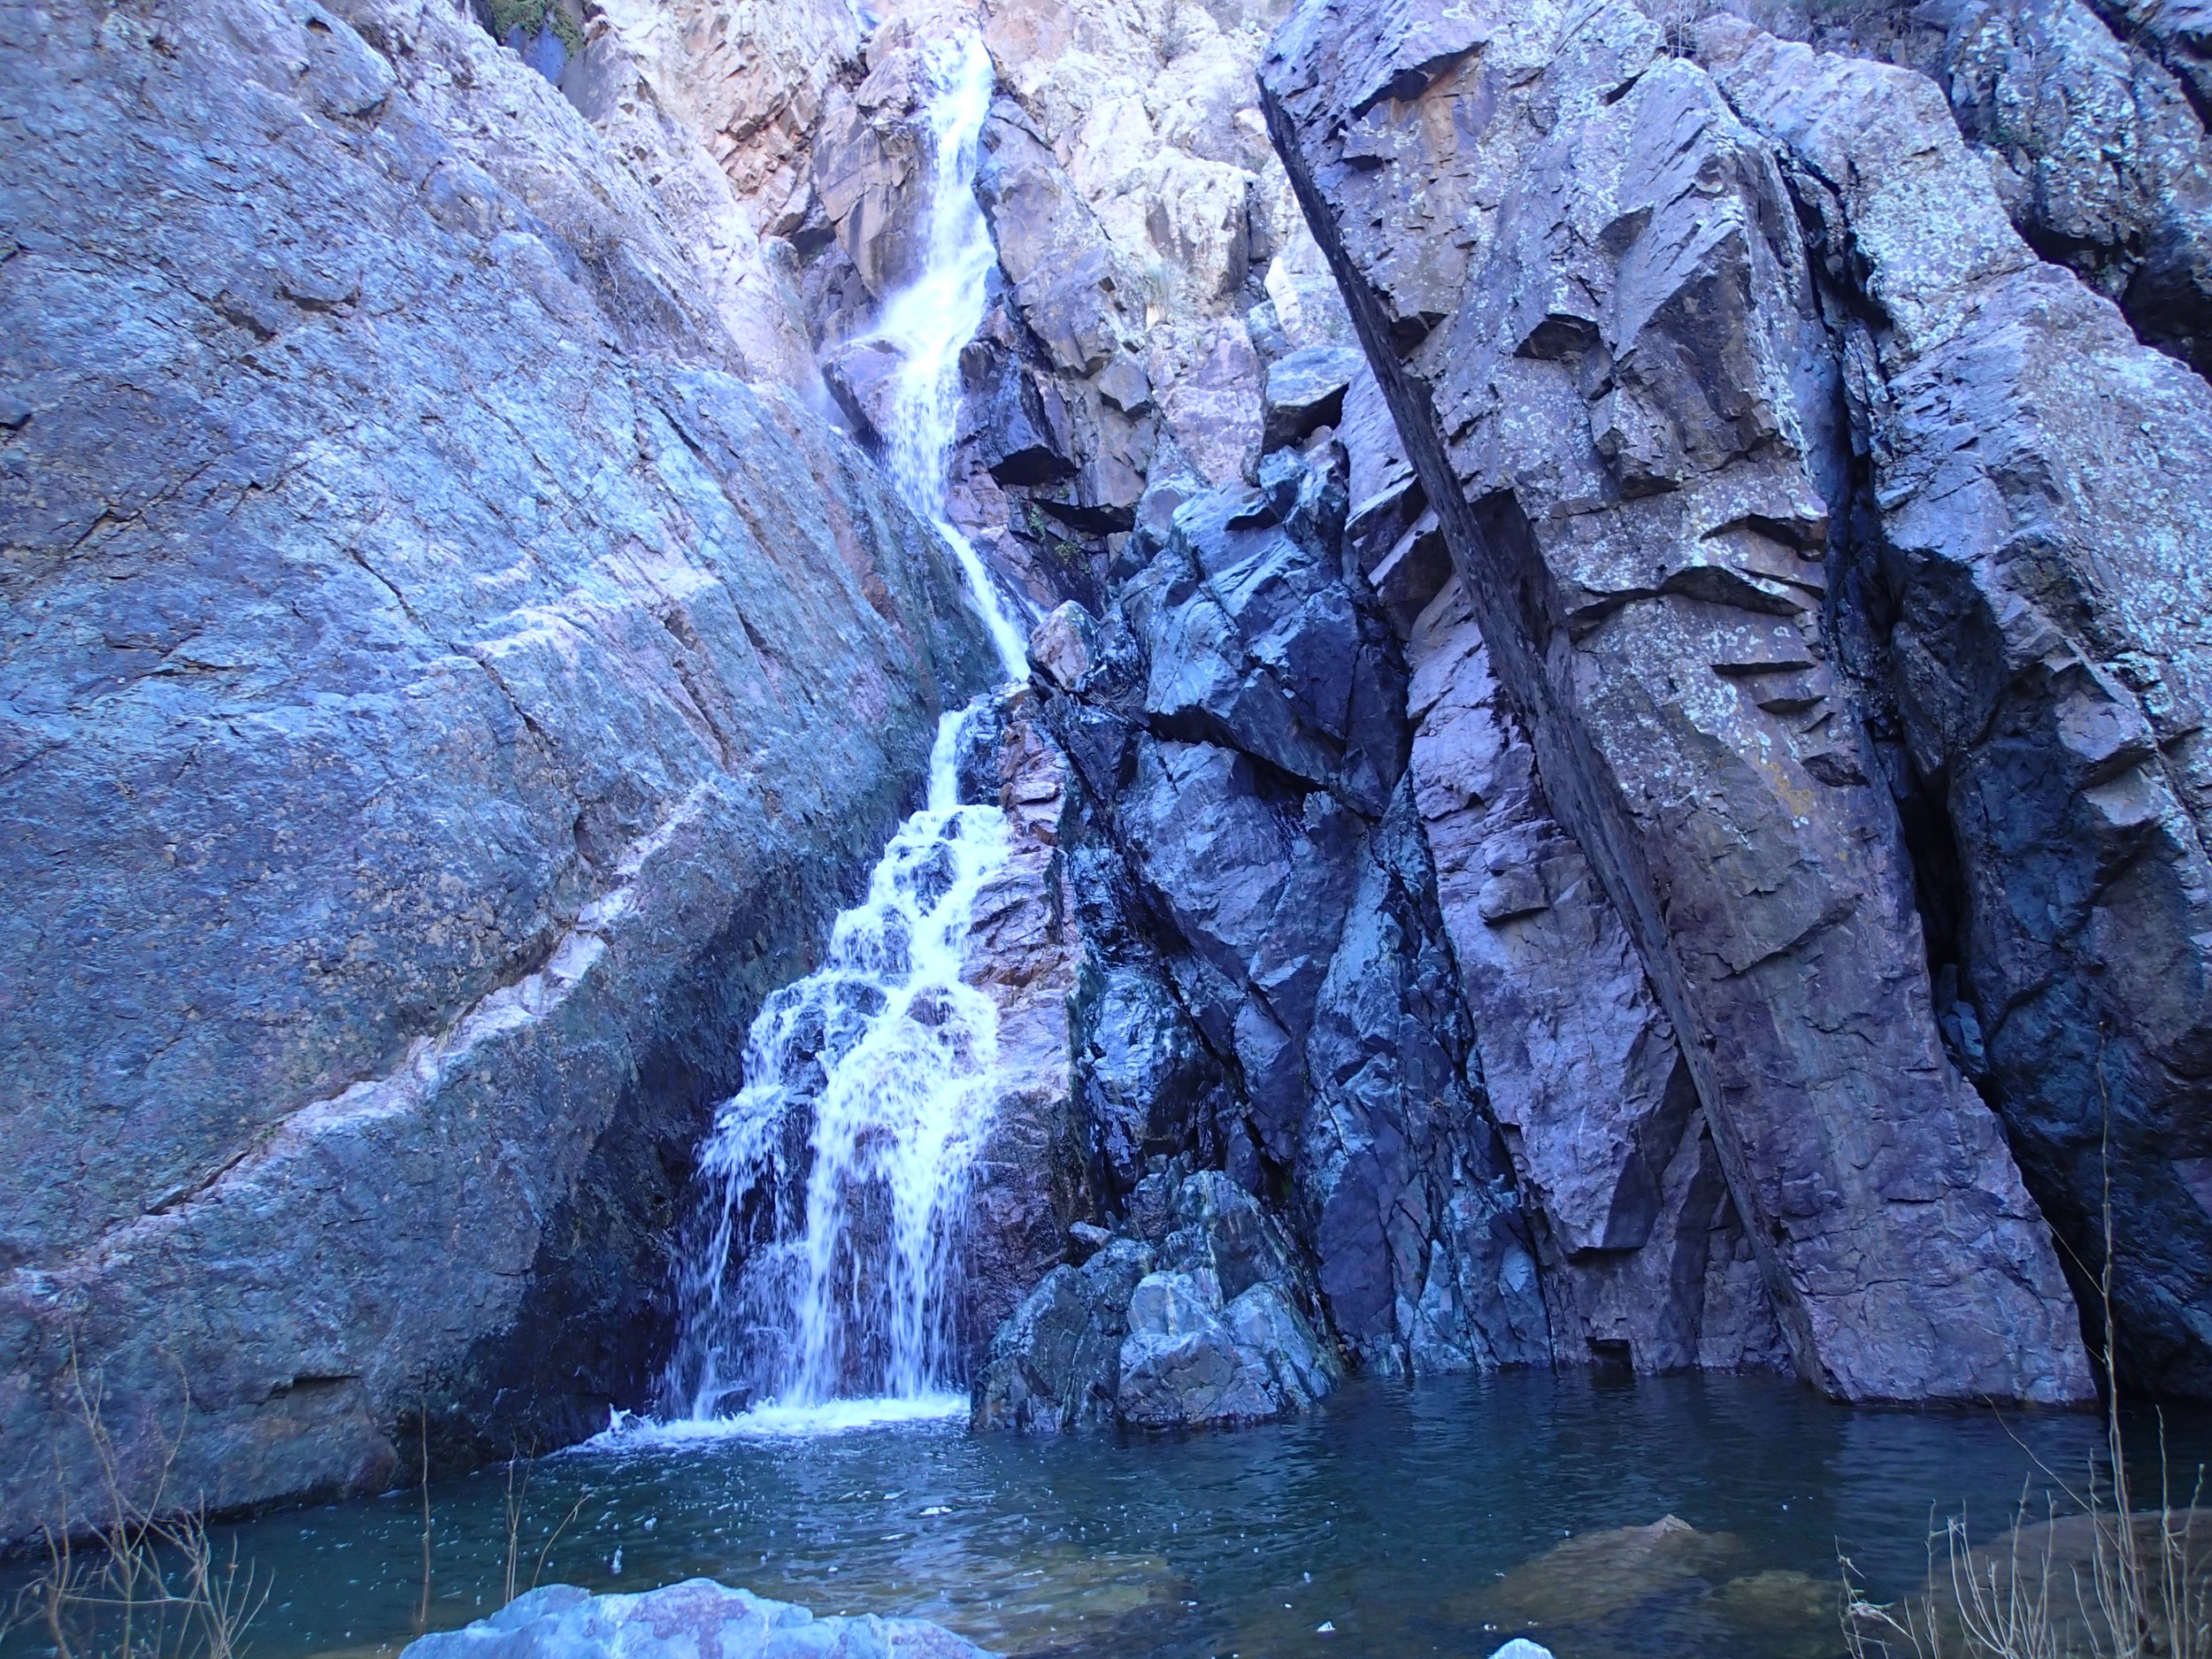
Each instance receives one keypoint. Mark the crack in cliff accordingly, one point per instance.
(429, 1060)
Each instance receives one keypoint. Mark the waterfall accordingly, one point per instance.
(930, 322)
(820, 1284)
(838, 1173)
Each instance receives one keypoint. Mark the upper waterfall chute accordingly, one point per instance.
(930, 321)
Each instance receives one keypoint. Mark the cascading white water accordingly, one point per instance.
(823, 1270)
(838, 1172)
(931, 322)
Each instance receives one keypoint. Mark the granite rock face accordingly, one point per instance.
(1267, 992)
(683, 1621)
(2039, 479)
(1644, 1256)
(439, 700)
(1618, 391)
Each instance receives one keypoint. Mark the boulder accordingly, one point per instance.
(1604, 1577)
(682, 1621)
(1194, 1316)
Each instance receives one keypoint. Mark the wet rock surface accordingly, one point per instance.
(428, 713)
(1602, 1593)
(1267, 990)
(698, 1617)
(1198, 1312)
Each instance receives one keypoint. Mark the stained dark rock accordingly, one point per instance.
(1269, 991)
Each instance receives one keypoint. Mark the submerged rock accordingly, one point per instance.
(1604, 1576)
(691, 1620)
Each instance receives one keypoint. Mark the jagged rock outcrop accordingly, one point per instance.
(1266, 986)
(1032, 1178)
(1619, 393)
(2090, 121)
(1199, 1312)
(1152, 263)
(439, 700)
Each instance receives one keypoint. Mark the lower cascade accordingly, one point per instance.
(823, 1267)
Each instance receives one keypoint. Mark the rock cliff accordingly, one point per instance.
(440, 697)
(1617, 771)
(1856, 659)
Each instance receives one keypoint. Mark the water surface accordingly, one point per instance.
(1393, 1515)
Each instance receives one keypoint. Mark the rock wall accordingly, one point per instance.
(1623, 782)
(1265, 986)
(439, 698)
(1729, 394)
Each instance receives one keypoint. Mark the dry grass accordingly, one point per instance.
(2106, 1582)
(143, 1578)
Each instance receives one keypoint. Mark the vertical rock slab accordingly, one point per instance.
(2043, 483)
(1032, 1178)
(1645, 1258)
(438, 700)
(1579, 279)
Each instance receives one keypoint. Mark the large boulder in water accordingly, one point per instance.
(1202, 1314)
(440, 698)
(690, 1620)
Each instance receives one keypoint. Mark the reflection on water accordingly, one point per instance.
(1434, 1519)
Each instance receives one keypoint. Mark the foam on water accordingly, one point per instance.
(630, 1432)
